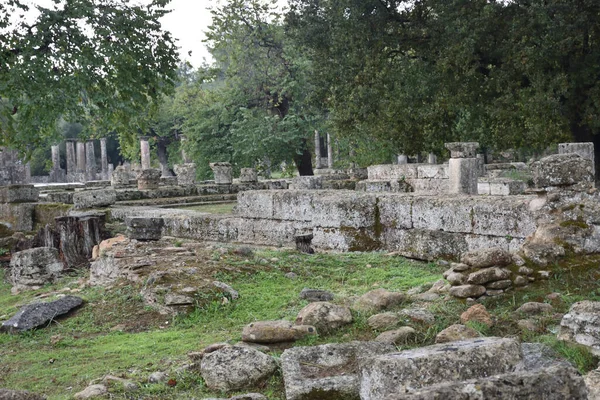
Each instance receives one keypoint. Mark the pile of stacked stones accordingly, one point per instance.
(486, 272)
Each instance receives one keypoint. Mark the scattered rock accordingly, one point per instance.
(316, 295)
(94, 198)
(527, 325)
(328, 371)
(291, 275)
(91, 391)
(525, 271)
(553, 296)
(383, 321)
(582, 325)
(6, 394)
(464, 291)
(418, 315)
(34, 268)
(227, 289)
(275, 332)
(38, 314)
(485, 258)
(534, 308)
(378, 299)
(455, 333)
(439, 287)
(427, 296)
(487, 275)
(520, 281)
(459, 267)
(236, 368)
(157, 377)
(477, 313)
(324, 316)
(397, 336)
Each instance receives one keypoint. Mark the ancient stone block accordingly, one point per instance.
(465, 291)
(462, 149)
(462, 175)
(148, 179)
(582, 325)
(434, 171)
(424, 244)
(563, 170)
(94, 198)
(503, 217)
(442, 214)
(222, 172)
(324, 316)
(507, 187)
(430, 186)
(397, 373)
(18, 194)
(307, 182)
(395, 211)
(388, 172)
(373, 186)
(186, 174)
(39, 314)
(487, 275)
(585, 150)
(17, 216)
(144, 228)
(120, 177)
(485, 258)
(34, 268)
(326, 371)
(248, 175)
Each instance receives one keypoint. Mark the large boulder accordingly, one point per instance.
(554, 383)
(582, 325)
(34, 268)
(236, 368)
(563, 170)
(95, 198)
(39, 314)
(328, 371)
(324, 316)
(397, 373)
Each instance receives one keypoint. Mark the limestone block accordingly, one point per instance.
(373, 186)
(293, 205)
(442, 214)
(484, 188)
(267, 232)
(18, 194)
(563, 170)
(324, 316)
(255, 204)
(120, 177)
(430, 186)
(395, 211)
(388, 172)
(425, 244)
(343, 209)
(462, 149)
(33, 268)
(508, 216)
(552, 383)
(585, 150)
(144, 228)
(506, 187)
(59, 197)
(326, 371)
(432, 171)
(397, 373)
(94, 198)
(485, 258)
(582, 325)
(186, 174)
(248, 175)
(276, 184)
(307, 182)
(17, 216)
(462, 175)
(222, 172)
(477, 242)
(148, 179)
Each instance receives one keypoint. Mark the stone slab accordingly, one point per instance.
(94, 198)
(18, 194)
(39, 314)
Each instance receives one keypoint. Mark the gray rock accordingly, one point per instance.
(38, 314)
(537, 356)
(148, 179)
(7, 394)
(316, 295)
(520, 281)
(186, 174)
(562, 170)
(158, 377)
(419, 315)
(19, 194)
(383, 321)
(144, 228)
(464, 291)
(33, 268)
(582, 325)
(324, 316)
(592, 381)
(499, 285)
(91, 391)
(378, 299)
(428, 296)
(222, 173)
(554, 383)
(534, 308)
(396, 373)
(248, 175)
(397, 336)
(485, 258)
(455, 333)
(328, 371)
(275, 332)
(94, 198)
(236, 368)
(456, 278)
(227, 289)
(487, 275)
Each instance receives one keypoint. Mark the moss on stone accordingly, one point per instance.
(45, 213)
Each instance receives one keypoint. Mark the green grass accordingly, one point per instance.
(115, 333)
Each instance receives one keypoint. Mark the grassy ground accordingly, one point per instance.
(114, 333)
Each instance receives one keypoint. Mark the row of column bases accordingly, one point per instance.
(81, 162)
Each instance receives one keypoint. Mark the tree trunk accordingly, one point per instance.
(304, 161)
(161, 147)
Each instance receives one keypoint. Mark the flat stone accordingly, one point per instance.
(383, 321)
(328, 371)
(19, 194)
(456, 332)
(427, 297)
(488, 275)
(397, 373)
(316, 295)
(560, 170)
(456, 278)
(485, 258)
(94, 198)
(39, 314)
(324, 316)
(397, 336)
(144, 228)
(464, 291)
(477, 313)
(275, 332)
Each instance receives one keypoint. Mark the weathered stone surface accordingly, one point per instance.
(383, 321)
(186, 174)
(324, 316)
(462, 149)
(327, 371)
(148, 179)
(396, 336)
(222, 172)
(249, 396)
(236, 368)
(307, 182)
(316, 295)
(94, 198)
(539, 355)
(388, 172)
(275, 332)
(477, 313)
(248, 175)
(554, 383)
(563, 170)
(379, 299)
(91, 392)
(463, 174)
(592, 381)
(485, 258)
(582, 325)
(464, 291)
(33, 268)
(157, 377)
(488, 275)
(120, 177)
(18, 194)
(373, 186)
(499, 285)
(38, 314)
(418, 315)
(456, 278)
(7, 394)
(534, 308)
(144, 228)
(455, 333)
(397, 373)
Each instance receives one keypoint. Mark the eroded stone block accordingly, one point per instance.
(18, 194)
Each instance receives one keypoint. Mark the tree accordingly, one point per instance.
(103, 63)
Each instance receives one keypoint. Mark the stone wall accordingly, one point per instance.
(421, 178)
